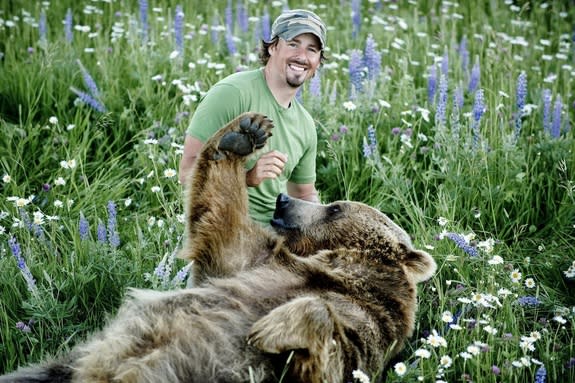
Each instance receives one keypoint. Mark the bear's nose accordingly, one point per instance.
(282, 203)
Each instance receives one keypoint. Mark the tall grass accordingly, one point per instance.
(93, 110)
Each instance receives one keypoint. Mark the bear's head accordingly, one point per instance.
(310, 227)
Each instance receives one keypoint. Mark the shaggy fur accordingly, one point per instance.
(332, 289)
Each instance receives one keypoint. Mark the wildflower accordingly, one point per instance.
(527, 344)
(445, 63)
(528, 301)
(179, 28)
(169, 173)
(372, 58)
(464, 54)
(69, 34)
(59, 181)
(431, 84)
(6, 179)
(556, 124)
(144, 19)
(355, 17)
(442, 101)
(422, 353)
(53, 120)
(155, 189)
(540, 374)
(16, 252)
(478, 110)
(83, 227)
(101, 232)
(435, 340)
(355, 72)
(442, 221)
(242, 16)
(462, 243)
(182, 274)
(87, 99)
(349, 106)
(445, 361)
(475, 76)
(515, 276)
(43, 26)
(465, 355)
(495, 370)
(400, 368)
(89, 81)
(266, 25)
(487, 245)
(112, 230)
(315, 85)
(559, 319)
(529, 283)
(23, 327)
(361, 376)
(496, 260)
(490, 330)
(58, 204)
(546, 110)
(447, 317)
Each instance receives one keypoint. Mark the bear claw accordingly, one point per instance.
(253, 134)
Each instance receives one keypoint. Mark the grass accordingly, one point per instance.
(91, 204)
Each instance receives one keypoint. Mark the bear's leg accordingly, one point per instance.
(218, 228)
(304, 324)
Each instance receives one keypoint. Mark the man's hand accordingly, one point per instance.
(269, 166)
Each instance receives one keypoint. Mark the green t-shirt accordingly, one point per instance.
(294, 133)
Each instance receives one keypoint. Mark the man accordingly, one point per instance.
(291, 57)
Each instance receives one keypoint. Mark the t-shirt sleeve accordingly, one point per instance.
(305, 170)
(220, 105)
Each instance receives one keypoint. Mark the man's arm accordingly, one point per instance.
(192, 148)
(306, 192)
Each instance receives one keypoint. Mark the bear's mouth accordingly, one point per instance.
(279, 219)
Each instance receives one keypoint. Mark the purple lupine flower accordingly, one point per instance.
(242, 16)
(89, 81)
(68, 30)
(17, 253)
(83, 227)
(231, 44)
(462, 243)
(455, 111)
(372, 58)
(464, 54)
(214, 30)
(89, 100)
(475, 76)
(372, 138)
(445, 63)
(25, 218)
(101, 232)
(355, 72)
(144, 27)
(495, 370)
(478, 110)
(113, 235)
(43, 26)
(23, 327)
(541, 374)
(229, 17)
(528, 300)
(315, 85)
(160, 270)
(182, 274)
(367, 152)
(547, 110)
(521, 96)
(179, 28)
(266, 25)
(556, 124)
(355, 18)
(440, 111)
(431, 84)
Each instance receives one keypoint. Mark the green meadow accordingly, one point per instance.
(454, 118)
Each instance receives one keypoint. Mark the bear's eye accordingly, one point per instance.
(333, 209)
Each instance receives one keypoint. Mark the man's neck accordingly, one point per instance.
(282, 92)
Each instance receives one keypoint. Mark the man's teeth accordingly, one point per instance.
(297, 68)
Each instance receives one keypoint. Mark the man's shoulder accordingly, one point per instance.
(242, 78)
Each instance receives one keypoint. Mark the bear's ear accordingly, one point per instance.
(419, 264)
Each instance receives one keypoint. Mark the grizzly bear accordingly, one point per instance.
(331, 289)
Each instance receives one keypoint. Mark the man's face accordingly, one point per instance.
(296, 60)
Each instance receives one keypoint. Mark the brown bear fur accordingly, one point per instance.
(330, 290)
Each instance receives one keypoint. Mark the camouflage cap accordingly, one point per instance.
(297, 21)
